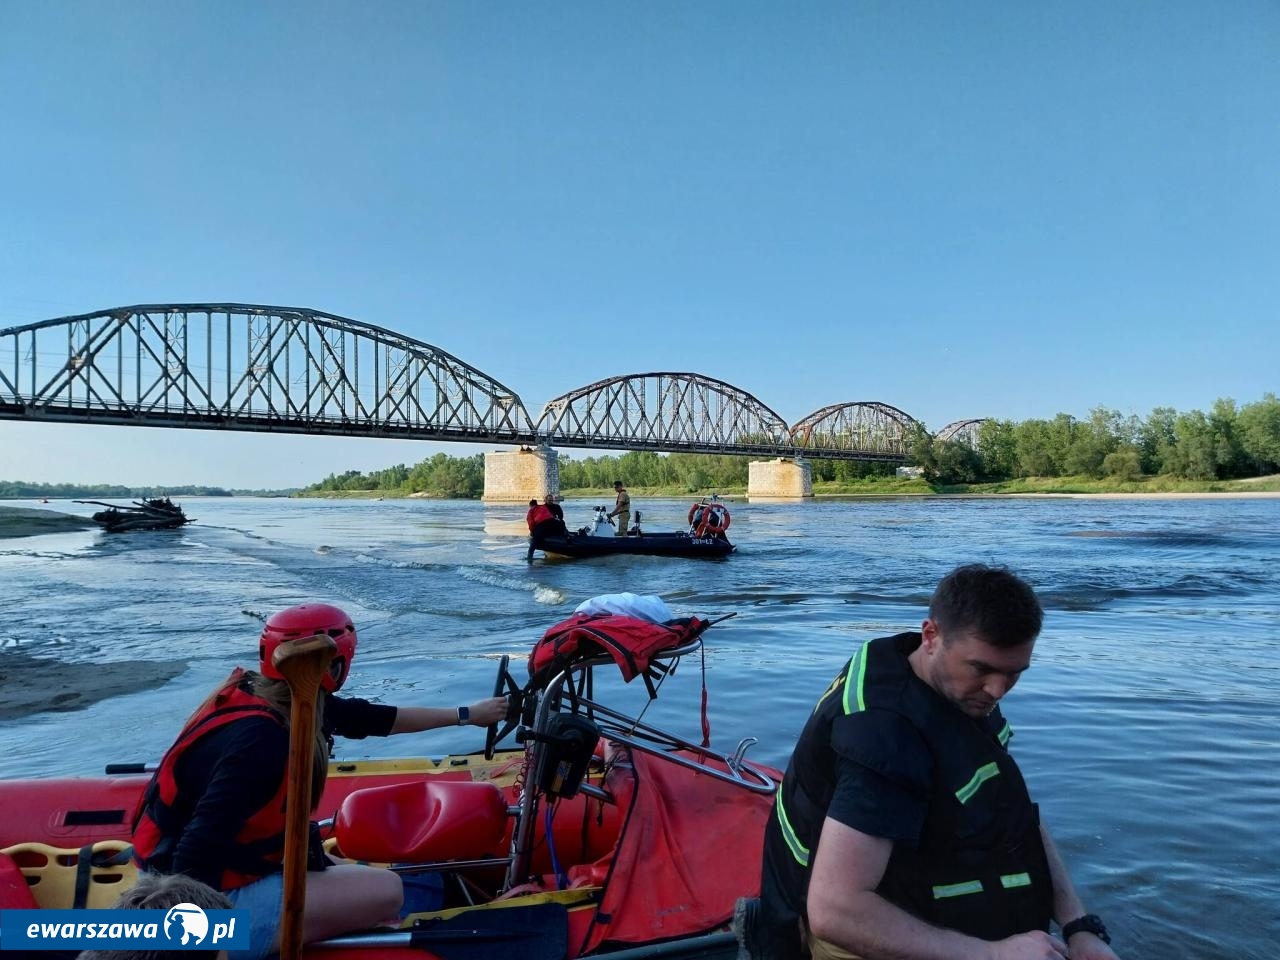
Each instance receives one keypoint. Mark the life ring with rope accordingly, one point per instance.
(708, 519)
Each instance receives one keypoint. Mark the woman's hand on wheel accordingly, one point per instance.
(485, 713)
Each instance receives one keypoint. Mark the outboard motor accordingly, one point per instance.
(600, 524)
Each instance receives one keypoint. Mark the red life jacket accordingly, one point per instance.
(537, 515)
(158, 822)
(631, 641)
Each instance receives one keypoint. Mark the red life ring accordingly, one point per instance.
(715, 520)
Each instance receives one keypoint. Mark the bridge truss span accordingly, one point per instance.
(664, 411)
(869, 429)
(249, 367)
(962, 431)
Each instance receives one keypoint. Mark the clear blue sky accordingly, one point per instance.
(961, 209)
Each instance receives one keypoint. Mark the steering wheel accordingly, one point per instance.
(504, 684)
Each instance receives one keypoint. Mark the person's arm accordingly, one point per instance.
(845, 910)
(416, 719)
(1067, 906)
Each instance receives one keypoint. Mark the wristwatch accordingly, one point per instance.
(1089, 923)
(464, 717)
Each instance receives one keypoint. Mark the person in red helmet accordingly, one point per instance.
(214, 809)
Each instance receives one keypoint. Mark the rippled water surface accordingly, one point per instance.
(1148, 727)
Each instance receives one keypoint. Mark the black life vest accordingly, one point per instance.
(164, 811)
(980, 866)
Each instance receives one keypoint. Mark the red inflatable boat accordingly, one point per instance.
(602, 834)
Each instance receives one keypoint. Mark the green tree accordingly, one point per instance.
(1123, 463)
(1229, 458)
(1091, 442)
(1157, 439)
(998, 448)
(1259, 433)
(1192, 453)
(1034, 446)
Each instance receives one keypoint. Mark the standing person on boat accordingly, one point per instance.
(215, 808)
(621, 508)
(903, 827)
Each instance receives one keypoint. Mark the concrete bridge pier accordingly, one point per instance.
(782, 479)
(518, 476)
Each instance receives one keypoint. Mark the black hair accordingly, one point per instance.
(533, 503)
(991, 601)
(617, 483)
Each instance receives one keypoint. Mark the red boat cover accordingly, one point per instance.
(632, 642)
(691, 846)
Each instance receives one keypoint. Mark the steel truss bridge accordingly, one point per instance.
(235, 366)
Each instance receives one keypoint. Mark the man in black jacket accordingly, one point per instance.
(903, 827)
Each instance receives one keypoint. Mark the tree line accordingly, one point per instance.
(1226, 443)
(21, 490)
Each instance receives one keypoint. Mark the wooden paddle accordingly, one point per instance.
(302, 663)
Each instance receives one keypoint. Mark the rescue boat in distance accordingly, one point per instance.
(704, 539)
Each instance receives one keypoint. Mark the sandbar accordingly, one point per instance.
(31, 684)
(27, 522)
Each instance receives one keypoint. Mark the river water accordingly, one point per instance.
(1148, 726)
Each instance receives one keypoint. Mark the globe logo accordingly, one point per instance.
(186, 924)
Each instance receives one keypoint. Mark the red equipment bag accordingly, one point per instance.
(631, 641)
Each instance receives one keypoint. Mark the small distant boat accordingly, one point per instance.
(152, 513)
(705, 538)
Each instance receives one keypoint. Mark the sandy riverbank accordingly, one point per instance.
(37, 685)
(25, 522)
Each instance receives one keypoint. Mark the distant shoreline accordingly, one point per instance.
(1224, 495)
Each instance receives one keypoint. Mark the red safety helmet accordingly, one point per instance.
(309, 620)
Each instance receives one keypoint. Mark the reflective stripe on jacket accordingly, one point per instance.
(980, 865)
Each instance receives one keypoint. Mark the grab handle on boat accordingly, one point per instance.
(121, 769)
(735, 762)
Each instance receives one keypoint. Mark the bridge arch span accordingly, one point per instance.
(876, 430)
(249, 367)
(962, 431)
(665, 411)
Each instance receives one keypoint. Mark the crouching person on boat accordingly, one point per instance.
(215, 809)
(543, 523)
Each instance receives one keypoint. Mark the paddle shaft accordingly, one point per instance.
(302, 663)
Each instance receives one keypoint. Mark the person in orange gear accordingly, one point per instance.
(214, 809)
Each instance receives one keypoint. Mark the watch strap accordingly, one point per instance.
(464, 716)
(1089, 923)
